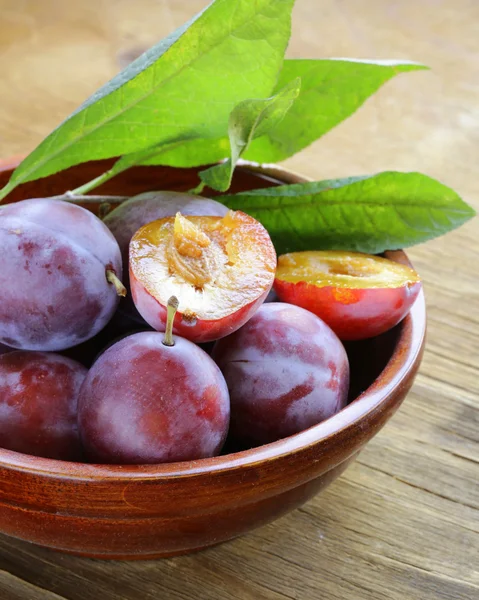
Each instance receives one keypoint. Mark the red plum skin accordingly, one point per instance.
(286, 371)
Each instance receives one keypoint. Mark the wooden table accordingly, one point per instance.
(401, 523)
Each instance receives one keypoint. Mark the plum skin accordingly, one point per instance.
(286, 371)
(53, 288)
(119, 326)
(200, 330)
(352, 313)
(38, 404)
(144, 402)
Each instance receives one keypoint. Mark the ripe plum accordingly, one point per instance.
(57, 266)
(358, 295)
(146, 401)
(38, 404)
(220, 269)
(286, 370)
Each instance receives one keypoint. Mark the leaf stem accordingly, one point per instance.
(198, 189)
(90, 185)
(80, 199)
(7, 189)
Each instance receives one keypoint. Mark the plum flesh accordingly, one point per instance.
(358, 295)
(220, 269)
(129, 216)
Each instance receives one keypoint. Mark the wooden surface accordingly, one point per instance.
(402, 522)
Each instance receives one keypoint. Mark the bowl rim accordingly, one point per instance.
(403, 361)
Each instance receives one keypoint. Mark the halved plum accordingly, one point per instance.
(357, 295)
(220, 269)
(129, 216)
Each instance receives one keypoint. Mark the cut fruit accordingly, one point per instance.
(220, 269)
(357, 295)
(125, 220)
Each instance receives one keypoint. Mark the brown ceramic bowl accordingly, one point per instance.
(153, 511)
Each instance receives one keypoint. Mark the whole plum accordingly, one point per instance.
(56, 266)
(147, 402)
(286, 371)
(38, 404)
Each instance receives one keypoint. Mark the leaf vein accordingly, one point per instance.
(100, 124)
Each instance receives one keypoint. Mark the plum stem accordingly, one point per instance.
(171, 309)
(113, 279)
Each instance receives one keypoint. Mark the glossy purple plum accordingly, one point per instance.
(145, 402)
(54, 291)
(286, 370)
(38, 404)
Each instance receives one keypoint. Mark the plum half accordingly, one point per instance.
(220, 269)
(358, 295)
(144, 208)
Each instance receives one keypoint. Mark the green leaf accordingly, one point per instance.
(194, 153)
(186, 85)
(248, 120)
(331, 91)
(370, 214)
(127, 161)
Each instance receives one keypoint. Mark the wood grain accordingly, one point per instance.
(402, 522)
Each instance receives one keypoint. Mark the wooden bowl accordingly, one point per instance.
(133, 512)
